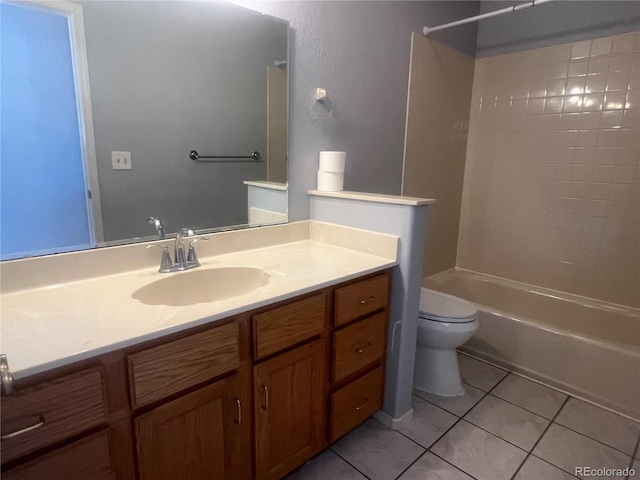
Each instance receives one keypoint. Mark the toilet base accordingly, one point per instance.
(437, 372)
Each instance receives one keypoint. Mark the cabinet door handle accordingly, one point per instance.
(265, 404)
(366, 400)
(39, 423)
(370, 299)
(366, 347)
(238, 420)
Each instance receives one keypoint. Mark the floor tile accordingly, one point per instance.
(479, 374)
(456, 405)
(508, 422)
(428, 423)
(433, 468)
(324, 466)
(567, 450)
(600, 424)
(536, 469)
(530, 395)
(479, 453)
(377, 451)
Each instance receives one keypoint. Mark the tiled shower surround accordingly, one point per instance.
(552, 179)
(436, 142)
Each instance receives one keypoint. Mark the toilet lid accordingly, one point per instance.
(445, 308)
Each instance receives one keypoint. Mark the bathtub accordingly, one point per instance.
(585, 347)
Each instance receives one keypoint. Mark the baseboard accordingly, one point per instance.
(391, 422)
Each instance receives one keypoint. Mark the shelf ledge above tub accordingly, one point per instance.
(375, 197)
(266, 184)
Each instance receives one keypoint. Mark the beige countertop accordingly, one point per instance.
(52, 325)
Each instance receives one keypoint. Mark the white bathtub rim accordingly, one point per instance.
(557, 294)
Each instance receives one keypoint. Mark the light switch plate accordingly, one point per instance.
(121, 160)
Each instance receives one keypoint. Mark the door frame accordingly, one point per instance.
(77, 39)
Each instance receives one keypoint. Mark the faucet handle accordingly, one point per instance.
(165, 263)
(187, 232)
(192, 257)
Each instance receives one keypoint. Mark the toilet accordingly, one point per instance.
(445, 322)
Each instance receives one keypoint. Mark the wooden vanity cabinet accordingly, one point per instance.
(70, 423)
(199, 436)
(87, 459)
(289, 410)
(361, 318)
(249, 397)
(192, 406)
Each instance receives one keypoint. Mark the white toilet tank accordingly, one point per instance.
(445, 308)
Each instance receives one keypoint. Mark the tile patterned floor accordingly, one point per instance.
(505, 427)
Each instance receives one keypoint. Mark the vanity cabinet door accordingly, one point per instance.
(202, 435)
(289, 410)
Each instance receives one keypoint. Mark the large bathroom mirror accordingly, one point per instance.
(155, 80)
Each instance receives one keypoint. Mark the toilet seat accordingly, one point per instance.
(441, 307)
(435, 318)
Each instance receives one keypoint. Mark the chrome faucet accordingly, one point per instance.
(181, 262)
(158, 226)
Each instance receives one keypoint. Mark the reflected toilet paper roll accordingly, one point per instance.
(330, 181)
(332, 161)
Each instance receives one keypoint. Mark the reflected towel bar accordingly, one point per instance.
(193, 155)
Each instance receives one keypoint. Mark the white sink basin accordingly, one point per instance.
(202, 286)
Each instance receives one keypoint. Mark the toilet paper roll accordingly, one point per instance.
(332, 161)
(330, 181)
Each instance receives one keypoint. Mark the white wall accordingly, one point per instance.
(359, 51)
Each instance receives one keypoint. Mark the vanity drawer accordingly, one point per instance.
(54, 410)
(160, 371)
(356, 402)
(285, 326)
(361, 298)
(358, 345)
(88, 458)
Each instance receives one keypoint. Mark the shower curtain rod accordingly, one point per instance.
(427, 30)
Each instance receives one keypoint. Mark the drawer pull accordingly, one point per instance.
(366, 400)
(31, 428)
(239, 405)
(370, 299)
(363, 349)
(265, 404)
(5, 373)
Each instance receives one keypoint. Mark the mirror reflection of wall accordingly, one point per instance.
(173, 76)
(178, 76)
(277, 122)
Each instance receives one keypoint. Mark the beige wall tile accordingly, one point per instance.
(552, 178)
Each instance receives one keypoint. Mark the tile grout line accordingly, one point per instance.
(427, 449)
(459, 419)
(553, 419)
(539, 439)
(633, 457)
(551, 387)
(593, 439)
(457, 468)
(521, 407)
(347, 462)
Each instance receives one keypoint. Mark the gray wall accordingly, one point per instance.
(554, 23)
(168, 77)
(359, 51)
